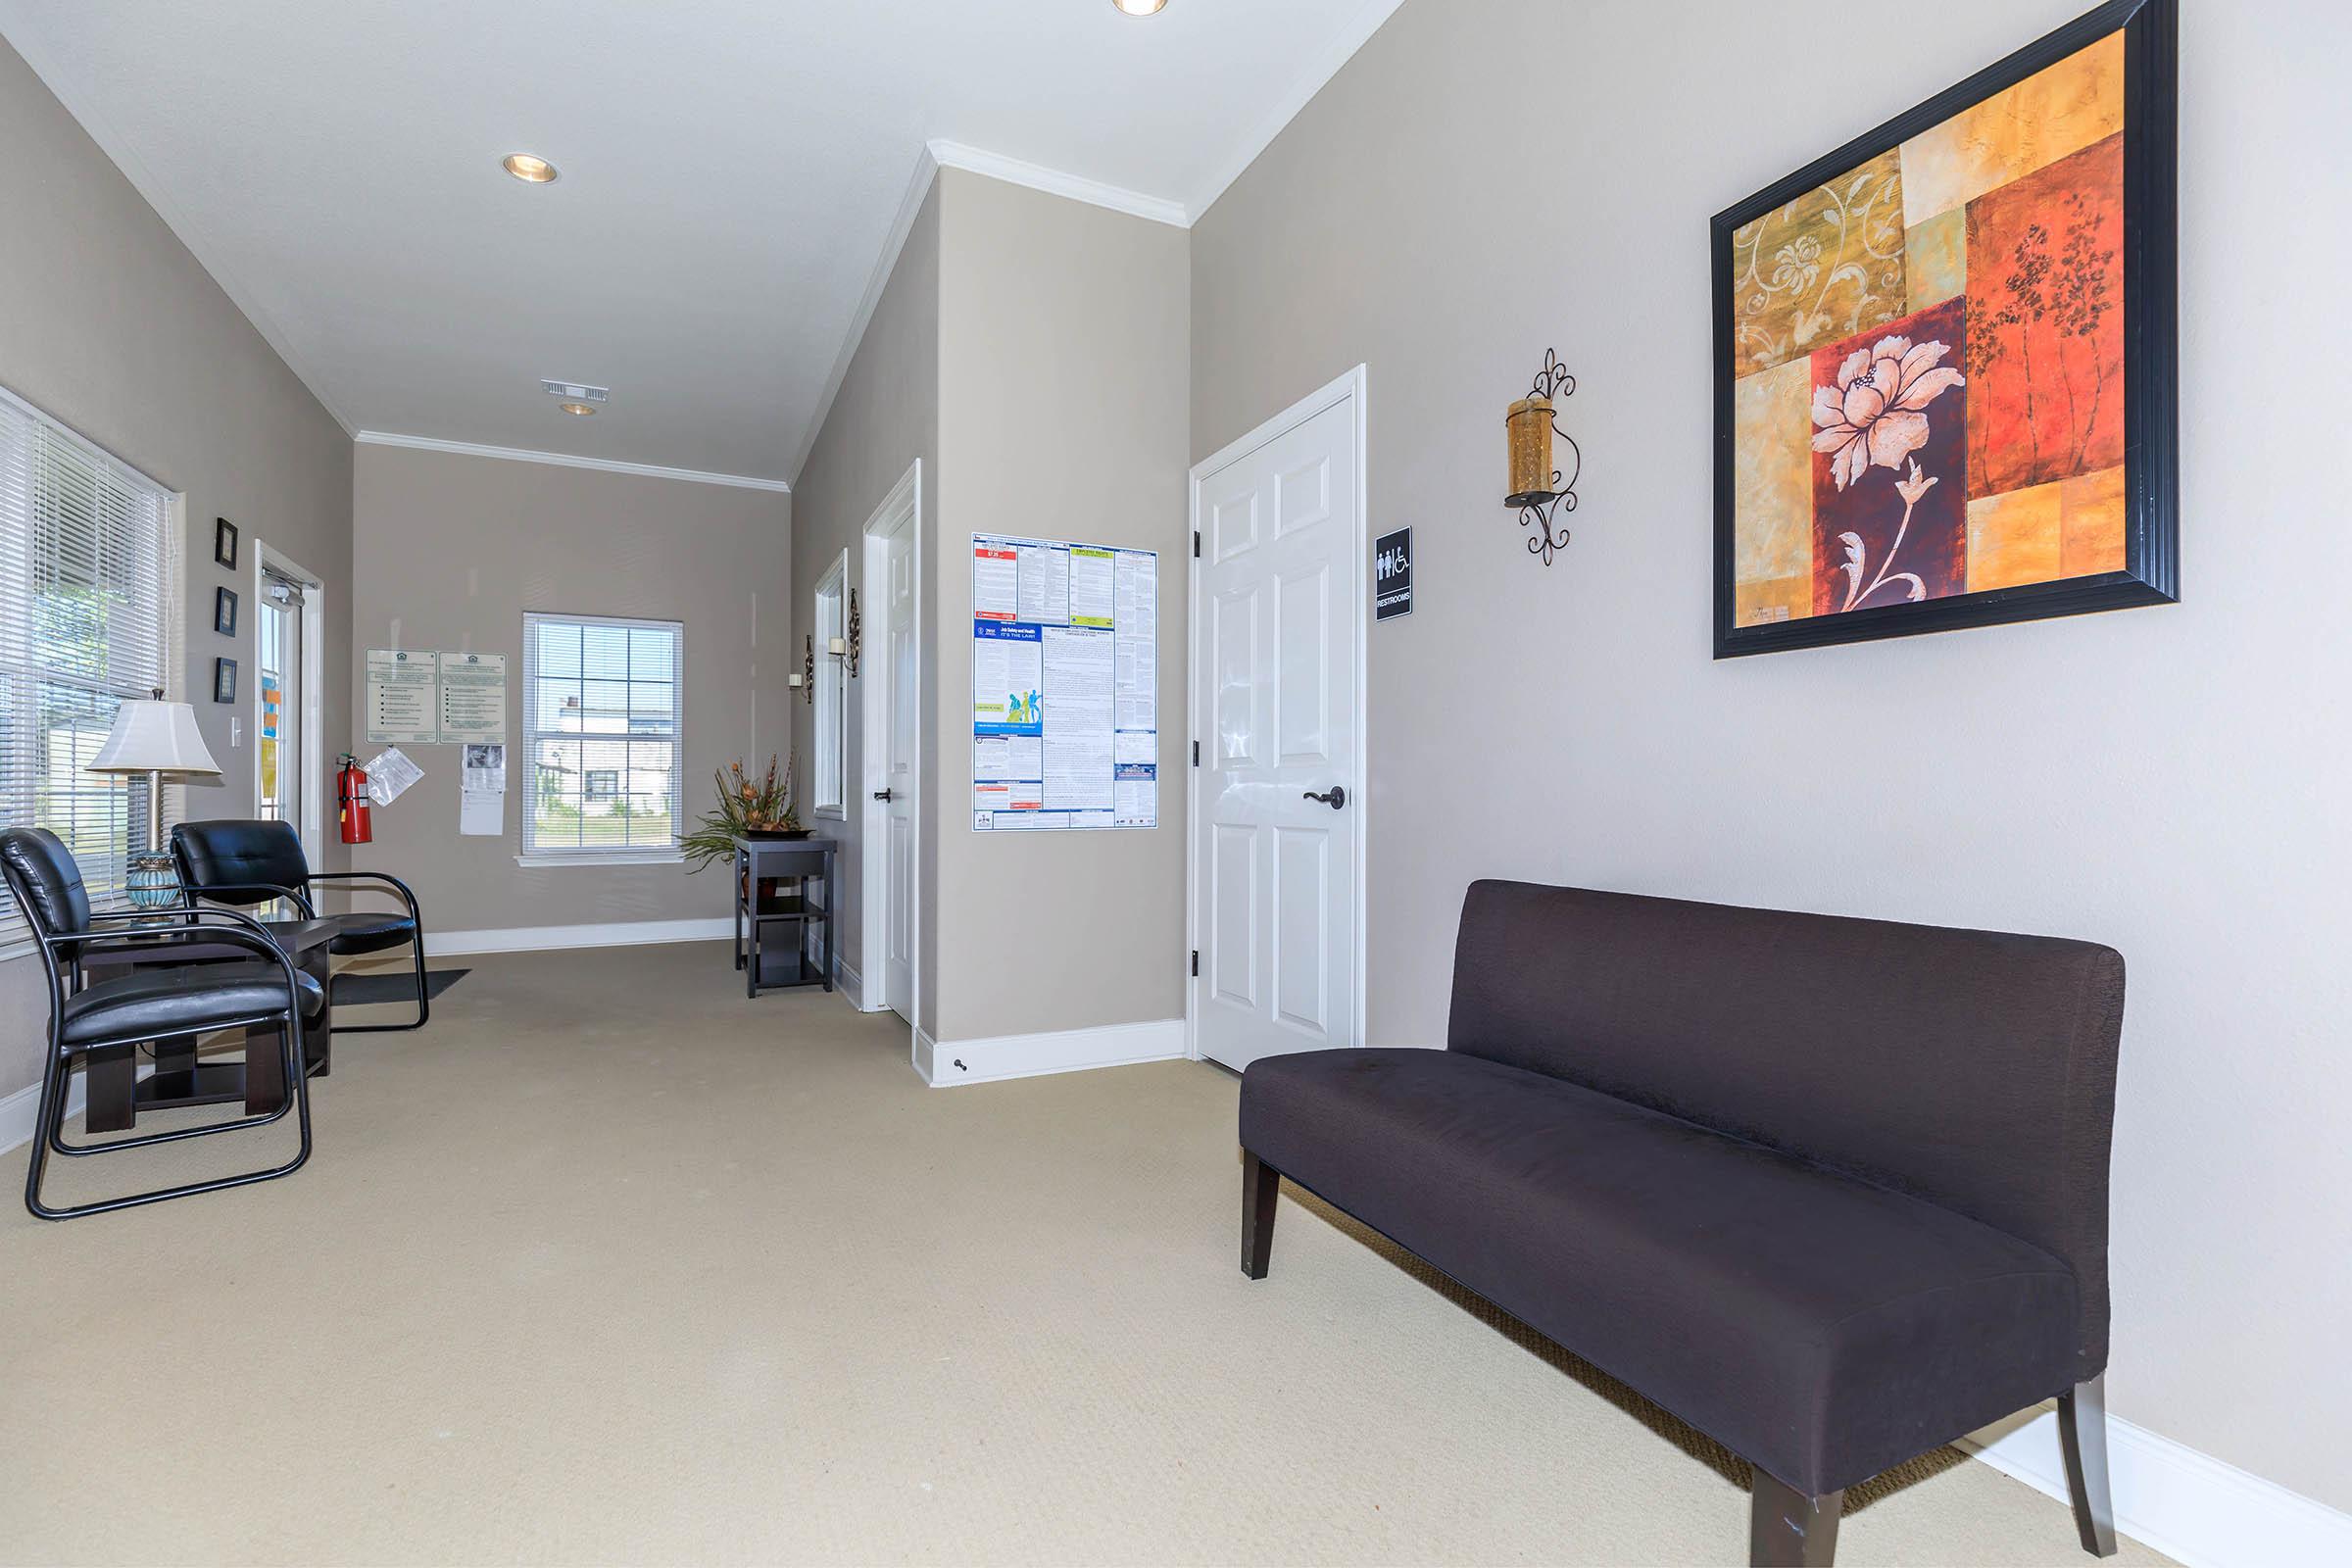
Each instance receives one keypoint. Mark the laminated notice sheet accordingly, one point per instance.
(1065, 685)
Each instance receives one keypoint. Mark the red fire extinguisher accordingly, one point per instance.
(351, 795)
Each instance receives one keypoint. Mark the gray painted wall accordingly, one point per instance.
(108, 324)
(457, 548)
(1030, 349)
(2168, 780)
(1064, 328)
(885, 416)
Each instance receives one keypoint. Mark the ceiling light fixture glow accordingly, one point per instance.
(531, 170)
(1140, 8)
(583, 410)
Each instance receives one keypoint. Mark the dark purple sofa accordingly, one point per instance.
(1831, 1191)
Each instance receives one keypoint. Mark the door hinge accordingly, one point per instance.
(1195, 544)
(1196, 754)
(1196, 961)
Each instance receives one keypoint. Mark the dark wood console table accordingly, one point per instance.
(809, 867)
(117, 1094)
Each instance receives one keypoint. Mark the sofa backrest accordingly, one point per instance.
(1972, 1068)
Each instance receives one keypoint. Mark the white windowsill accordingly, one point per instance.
(609, 858)
(832, 813)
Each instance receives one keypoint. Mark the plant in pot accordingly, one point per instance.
(750, 806)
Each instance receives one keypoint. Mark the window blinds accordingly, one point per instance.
(88, 590)
(602, 727)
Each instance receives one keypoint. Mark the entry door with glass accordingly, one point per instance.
(277, 700)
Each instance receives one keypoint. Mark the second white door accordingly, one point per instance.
(1276, 670)
(899, 769)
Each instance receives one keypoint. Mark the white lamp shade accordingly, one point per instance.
(155, 737)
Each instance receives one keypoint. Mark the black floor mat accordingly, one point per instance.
(366, 990)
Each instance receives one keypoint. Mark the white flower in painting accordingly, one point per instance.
(1852, 568)
(1876, 415)
(1914, 489)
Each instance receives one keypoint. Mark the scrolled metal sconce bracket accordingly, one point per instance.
(808, 669)
(854, 628)
(1540, 491)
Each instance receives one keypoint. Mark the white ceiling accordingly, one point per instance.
(732, 173)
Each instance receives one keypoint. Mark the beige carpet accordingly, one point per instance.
(613, 1266)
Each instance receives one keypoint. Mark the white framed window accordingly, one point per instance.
(827, 790)
(602, 739)
(90, 608)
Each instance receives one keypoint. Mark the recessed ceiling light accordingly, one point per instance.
(581, 409)
(531, 170)
(1140, 8)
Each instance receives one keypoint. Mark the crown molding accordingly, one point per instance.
(911, 207)
(565, 459)
(1054, 182)
(1323, 66)
(175, 217)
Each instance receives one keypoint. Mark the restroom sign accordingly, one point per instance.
(1392, 575)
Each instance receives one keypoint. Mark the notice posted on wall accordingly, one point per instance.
(1065, 685)
(404, 696)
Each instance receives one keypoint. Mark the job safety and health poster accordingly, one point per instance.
(1065, 685)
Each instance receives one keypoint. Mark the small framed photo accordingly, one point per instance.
(225, 680)
(224, 612)
(225, 542)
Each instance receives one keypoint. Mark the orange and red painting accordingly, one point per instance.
(1926, 362)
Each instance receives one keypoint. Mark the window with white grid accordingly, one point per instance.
(88, 591)
(603, 737)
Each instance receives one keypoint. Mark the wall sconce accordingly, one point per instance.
(805, 680)
(854, 625)
(1537, 488)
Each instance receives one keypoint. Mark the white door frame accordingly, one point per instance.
(903, 507)
(1354, 384)
(311, 719)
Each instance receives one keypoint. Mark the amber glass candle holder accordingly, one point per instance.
(1532, 473)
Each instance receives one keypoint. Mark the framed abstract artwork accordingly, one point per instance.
(1945, 384)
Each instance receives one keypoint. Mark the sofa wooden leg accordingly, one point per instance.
(1261, 1184)
(1786, 1529)
(2082, 1437)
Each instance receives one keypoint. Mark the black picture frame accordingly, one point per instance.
(225, 680)
(224, 612)
(225, 543)
(2151, 349)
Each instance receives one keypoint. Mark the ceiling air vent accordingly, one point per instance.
(575, 392)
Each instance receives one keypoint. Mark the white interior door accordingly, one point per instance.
(900, 780)
(1277, 691)
(278, 694)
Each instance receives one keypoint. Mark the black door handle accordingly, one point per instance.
(1335, 797)
(882, 795)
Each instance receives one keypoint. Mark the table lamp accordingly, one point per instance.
(161, 740)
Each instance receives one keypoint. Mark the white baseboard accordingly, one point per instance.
(549, 937)
(2189, 1506)
(982, 1061)
(852, 985)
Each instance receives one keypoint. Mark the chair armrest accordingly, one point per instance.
(396, 885)
(300, 899)
(241, 931)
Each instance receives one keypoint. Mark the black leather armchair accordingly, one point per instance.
(247, 863)
(146, 1005)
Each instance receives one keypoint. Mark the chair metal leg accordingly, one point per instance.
(53, 1114)
(1786, 1529)
(1261, 1185)
(425, 1002)
(2082, 1437)
(48, 1121)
